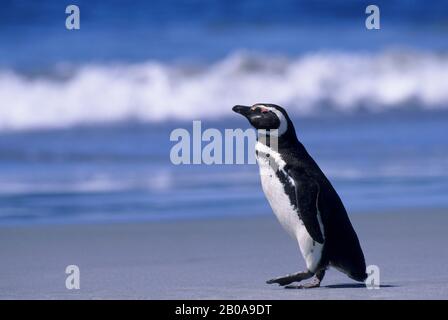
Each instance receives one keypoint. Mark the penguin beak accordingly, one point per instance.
(243, 110)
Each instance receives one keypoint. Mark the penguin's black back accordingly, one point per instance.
(342, 248)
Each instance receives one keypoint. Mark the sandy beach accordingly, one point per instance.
(120, 154)
(216, 259)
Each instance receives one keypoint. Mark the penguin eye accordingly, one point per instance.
(260, 109)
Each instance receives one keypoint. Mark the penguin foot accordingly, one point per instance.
(314, 283)
(290, 278)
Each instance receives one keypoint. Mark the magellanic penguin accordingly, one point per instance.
(303, 199)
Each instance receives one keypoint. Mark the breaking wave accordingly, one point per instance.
(310, 84)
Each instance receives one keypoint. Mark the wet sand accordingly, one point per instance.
(217, 259)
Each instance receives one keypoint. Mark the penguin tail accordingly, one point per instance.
(360, 276)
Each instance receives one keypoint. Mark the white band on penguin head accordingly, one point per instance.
(283, 122)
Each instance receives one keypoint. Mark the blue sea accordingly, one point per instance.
(86, 115)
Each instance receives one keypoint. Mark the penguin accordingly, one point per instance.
(303, 200)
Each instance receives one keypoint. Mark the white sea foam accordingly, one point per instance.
(155, 91)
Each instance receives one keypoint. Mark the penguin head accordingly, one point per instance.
(265, 116)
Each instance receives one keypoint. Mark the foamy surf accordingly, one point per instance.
(154, 91)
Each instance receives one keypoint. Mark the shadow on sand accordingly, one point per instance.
(354, 285)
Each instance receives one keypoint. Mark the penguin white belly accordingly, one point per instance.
(288, 216)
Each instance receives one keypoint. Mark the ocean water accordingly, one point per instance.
(86, 116)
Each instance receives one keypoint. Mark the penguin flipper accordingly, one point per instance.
(307, 191)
